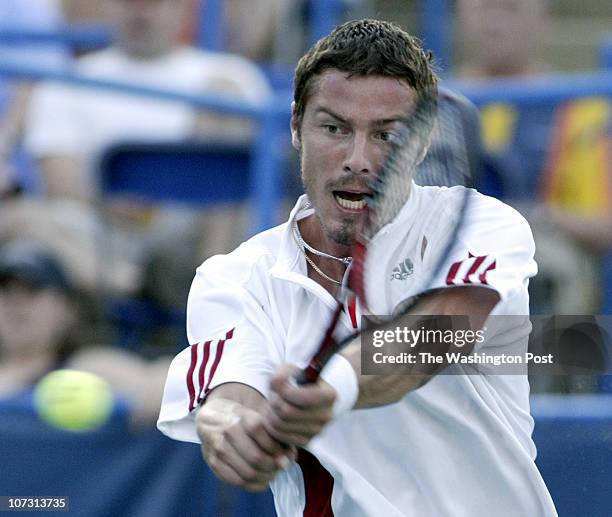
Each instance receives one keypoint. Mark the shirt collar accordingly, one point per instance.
(290, 263)
(289, 258)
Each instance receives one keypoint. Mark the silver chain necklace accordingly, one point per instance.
(303, 245)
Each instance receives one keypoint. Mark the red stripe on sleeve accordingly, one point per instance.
(483, 275)
(215, 364)
(190, 386)
(203, 370)
(452, 273)
(473, 269)
(352, 308)
(213, 369)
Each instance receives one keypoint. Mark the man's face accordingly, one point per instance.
(343, 140)
(146, 28)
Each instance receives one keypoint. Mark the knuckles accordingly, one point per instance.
(284, 411)
(253, 424)
(301, 440)
(256, 458)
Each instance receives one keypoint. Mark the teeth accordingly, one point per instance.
(351, 205)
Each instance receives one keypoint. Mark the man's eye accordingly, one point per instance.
(332, 129)
(387, 136)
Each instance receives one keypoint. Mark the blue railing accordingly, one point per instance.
(84, 36)
(545, 89)
(273, 119)
(211, 24)
(436, 30)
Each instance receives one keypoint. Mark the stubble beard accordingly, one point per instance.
(344, 235)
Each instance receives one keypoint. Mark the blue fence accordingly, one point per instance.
(116, 471)
(546, 89)
(76, 36)
(121, 471)
(273, 119)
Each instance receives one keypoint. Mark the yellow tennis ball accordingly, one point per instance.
(73, 400)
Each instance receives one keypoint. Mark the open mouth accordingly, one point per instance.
(351, 200)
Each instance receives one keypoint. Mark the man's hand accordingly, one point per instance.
(237, 447)
(297, 413)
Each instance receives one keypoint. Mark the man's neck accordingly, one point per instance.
(312, 233)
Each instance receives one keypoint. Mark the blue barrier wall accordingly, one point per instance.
(118, 471)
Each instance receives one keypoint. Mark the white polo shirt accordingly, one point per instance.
(459, 446)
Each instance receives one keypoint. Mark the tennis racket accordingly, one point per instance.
(452, 159)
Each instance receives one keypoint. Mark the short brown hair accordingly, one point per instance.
(365, 47)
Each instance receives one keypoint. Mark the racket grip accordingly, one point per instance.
(308, 375)
(330, 346)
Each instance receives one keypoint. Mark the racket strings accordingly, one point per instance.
(446, 164)
(393, 185)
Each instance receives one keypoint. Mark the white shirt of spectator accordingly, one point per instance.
(65, 119)
(460, 445)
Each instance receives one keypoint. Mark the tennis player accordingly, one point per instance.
(352, 445)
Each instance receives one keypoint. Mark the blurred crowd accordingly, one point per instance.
(74, 265)
(109, 250)
(553, 162)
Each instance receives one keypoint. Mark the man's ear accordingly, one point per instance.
(295, 132)
(423, 153)
(427, 145)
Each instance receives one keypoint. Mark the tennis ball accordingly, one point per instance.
(72, 400)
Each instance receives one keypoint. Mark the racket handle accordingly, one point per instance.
(326, 349)
(311, 373)
(308, 375)
(330, 346)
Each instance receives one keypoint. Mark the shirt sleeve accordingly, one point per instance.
(495, 249)
(231, 340)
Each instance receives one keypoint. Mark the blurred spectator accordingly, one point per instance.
(43, 326)
(502, 37)
(68, 129)
(84, 11)
(248, 27)
(260, 30)
(76, 235)
(552, 162)
(556, 158)
(14, 94)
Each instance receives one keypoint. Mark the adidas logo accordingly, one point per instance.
(403, 270)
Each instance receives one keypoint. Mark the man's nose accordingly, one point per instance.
(359, 156)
